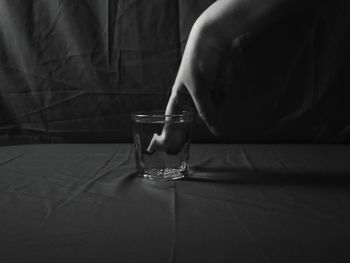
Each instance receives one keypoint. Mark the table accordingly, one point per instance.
(241, 203)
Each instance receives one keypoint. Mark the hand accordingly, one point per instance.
(203, 58)
(205, 54)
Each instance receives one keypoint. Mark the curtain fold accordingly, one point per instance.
(73, 71)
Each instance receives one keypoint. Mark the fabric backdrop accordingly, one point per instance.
(73, 71)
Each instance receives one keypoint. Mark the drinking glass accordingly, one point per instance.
(162, 144)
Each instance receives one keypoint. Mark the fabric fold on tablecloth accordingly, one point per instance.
(84, 203)
(83, 200)
(264, 163)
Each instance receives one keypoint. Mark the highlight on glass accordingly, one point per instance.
(162, 144)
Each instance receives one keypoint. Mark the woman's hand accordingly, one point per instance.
(205, 56)
(202, 60)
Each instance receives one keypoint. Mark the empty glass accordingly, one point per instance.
(162, 144)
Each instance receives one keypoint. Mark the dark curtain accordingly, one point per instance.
(73, 71)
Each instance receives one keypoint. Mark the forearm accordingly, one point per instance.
(225, 20)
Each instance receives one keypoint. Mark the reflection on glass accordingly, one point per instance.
(162, 144)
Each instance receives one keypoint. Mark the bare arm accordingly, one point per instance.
(209, 42)
(226, 19)
(207, 48)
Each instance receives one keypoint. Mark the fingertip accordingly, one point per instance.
(212, 123)
(215, 131)
(150, 150)
(152, 145)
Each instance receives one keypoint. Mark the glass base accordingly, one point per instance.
(165, 174)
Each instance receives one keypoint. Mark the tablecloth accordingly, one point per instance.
(241, 203)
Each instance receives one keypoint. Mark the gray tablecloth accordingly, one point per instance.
(242, 203)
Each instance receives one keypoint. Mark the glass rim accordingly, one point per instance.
(160, 114)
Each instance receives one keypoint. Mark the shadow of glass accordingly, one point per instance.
(268, 176)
